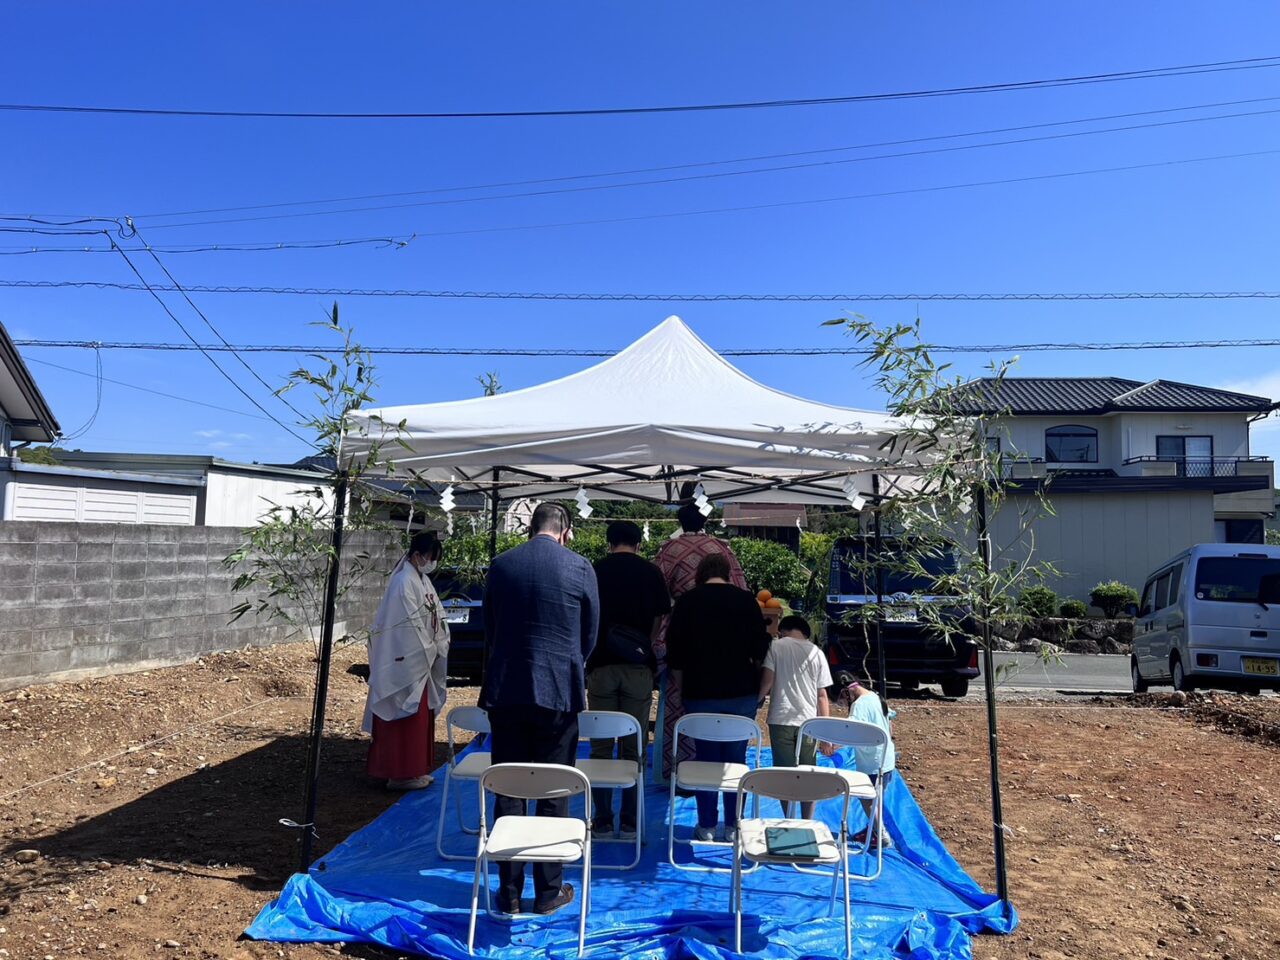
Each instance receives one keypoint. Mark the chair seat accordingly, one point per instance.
(609, 773)
(709, 775)
(545, 839)
(860, 785)
(754, 846)
(471, 766)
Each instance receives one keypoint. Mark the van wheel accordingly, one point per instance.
(1180, 679)
(1139, 684)
(955, 686)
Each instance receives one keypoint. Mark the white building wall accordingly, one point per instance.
(241, 500)
(1103, 536)
(1127, 435)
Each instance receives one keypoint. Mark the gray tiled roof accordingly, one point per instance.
(1098, 395)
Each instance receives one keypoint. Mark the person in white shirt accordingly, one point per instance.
(795, 678)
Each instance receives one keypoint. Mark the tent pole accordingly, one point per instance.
(493, 552)
(882, 686)
(322, 672)
(988, 676)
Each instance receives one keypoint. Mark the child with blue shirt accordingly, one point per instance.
(865, 706)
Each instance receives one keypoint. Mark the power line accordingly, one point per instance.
(1151, 73)
(415, 351)
(694, 177)
(863, 297)
(209, 323)
(134, 386)
(779, 204)
(97, 403)
(207, 354)
(636, 171)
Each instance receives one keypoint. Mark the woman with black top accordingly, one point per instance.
(717, 641)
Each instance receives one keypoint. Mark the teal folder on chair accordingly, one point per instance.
(791, 842)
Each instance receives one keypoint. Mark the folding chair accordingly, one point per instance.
(471, 767)
(532, 839)
(615, 774)
(789, 785)
(706, 775)
(855, 733)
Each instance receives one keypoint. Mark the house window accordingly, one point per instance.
(993, 445)
(1071, 444)
(1193, 455)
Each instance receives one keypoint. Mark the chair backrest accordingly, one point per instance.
(845, 733)
(533, 781)
(607, 725)
(790, 784)
(723, 727)
(471, 719)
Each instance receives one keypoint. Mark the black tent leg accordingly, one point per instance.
(882, 685)
(493, 552)
(988, 676)
(322, 673)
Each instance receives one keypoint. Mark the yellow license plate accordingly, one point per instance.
(1259, 667)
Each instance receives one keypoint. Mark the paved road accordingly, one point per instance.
(1076, 672)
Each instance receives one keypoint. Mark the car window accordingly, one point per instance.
(1175, 584)
(1147, 591)
(1233, 579)
(1162, 592)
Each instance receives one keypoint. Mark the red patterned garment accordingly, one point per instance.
(678, 560)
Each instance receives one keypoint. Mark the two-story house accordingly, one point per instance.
(1133, 472)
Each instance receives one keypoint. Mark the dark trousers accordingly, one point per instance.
(531, 735)
(732, 751)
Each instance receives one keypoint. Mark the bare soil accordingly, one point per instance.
(1141, 831)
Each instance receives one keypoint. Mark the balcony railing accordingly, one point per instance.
(1203, 466)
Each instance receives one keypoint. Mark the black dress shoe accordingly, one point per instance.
(509, 908)
(561, 899)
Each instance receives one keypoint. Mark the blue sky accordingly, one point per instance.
(1208, 226)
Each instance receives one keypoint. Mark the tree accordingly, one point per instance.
(45, 456)
(282, 564)
(933, 511)
(1273, 538)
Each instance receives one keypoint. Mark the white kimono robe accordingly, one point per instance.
(408, 649)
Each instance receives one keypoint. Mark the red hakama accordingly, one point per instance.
(403, 749)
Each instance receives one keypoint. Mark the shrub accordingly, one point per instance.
(1038, 601)
(771, 566)
(1111, 596)
(1073, 609)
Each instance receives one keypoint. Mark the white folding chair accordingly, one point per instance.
(532, 839)
(855, 733)
(615, 774)
(790, 785)
(470, 767)
(707, 775)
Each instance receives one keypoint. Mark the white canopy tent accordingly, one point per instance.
(666, 409)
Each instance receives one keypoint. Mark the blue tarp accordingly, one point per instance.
(386, 885)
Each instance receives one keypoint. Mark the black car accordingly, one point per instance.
(916, 651)
(463, 599)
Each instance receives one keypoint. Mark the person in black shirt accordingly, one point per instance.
(717, 639)
(633, 601)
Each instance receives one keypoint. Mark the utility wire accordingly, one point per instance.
(1221, 66)
(411, 351)
(134, 386)
(778, 204)
(209, 323)
(97, 404)
(695, 177)
(636, 171)
(863, 297)
(386, 242)
(207, 353)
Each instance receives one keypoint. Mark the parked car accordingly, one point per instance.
(916, 651)
(463, 598)
(1210, 617)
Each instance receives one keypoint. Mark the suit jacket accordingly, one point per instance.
(541, 615)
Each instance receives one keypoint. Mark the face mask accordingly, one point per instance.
(429, 566)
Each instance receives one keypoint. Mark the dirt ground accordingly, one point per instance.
(1136, 829)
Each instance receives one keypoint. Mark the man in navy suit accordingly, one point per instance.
(541, 614)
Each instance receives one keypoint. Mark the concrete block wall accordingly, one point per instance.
(85, 599)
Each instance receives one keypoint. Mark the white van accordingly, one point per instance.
(1210, 617)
